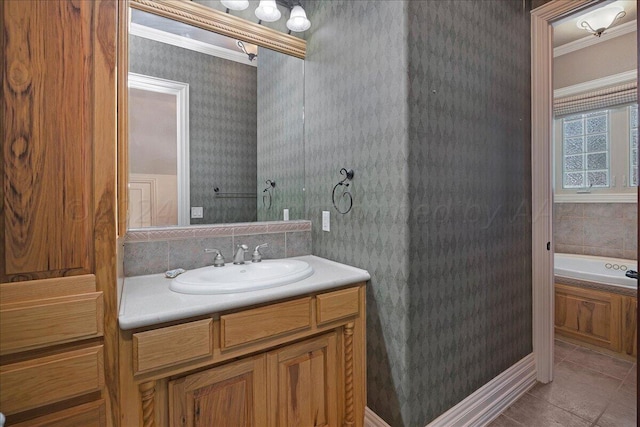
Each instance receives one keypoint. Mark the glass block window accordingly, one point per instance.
(633, 145)
(585, 150)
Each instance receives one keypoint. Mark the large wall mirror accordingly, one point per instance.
(216, 133)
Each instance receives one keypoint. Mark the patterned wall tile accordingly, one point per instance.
(282, 226)
(152, 257)
(276, 242)
(222, 129)
(145, 258)
(189, 254)
(298, 243)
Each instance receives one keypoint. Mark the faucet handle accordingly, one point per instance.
(218, 260)
(257, 256)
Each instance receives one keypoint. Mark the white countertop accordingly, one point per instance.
(147, 300)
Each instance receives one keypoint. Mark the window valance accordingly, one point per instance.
(598, 99)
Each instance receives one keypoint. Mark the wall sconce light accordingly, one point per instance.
(600, 20)
(267, 11)
(251, 55)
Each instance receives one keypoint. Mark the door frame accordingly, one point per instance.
(180, 91)
(542, 19)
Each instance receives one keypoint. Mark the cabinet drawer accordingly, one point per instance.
(337, 305)
(264, 322)
(38, 382)
(50, 321)
(172, 345)
(88, 415)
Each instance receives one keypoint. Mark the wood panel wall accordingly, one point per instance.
(58, 165)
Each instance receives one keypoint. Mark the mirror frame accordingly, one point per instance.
(197, 15)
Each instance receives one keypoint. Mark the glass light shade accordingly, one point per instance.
(235, 4)
(298, 21)
(600, 19)
(268, 11)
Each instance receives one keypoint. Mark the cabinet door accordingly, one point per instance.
(629, 326)
(232, 395)
(588, 315)
(303, 383)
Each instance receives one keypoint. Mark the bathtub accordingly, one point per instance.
(608, 271)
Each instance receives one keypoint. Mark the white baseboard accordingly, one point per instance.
(371, 419)
(485, 404)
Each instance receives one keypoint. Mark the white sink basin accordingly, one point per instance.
(251, 276)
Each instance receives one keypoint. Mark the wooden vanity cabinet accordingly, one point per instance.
(298, 362)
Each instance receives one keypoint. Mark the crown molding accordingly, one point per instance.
(620, 30)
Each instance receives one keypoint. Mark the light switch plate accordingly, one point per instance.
(326, 221)
(197, 212)
(285, 215)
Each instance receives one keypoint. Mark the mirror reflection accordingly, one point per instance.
(216, 132)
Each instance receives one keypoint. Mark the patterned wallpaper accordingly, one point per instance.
(280, 134)
(222, 107)
(434, 118)
(356, 117)
(470, 189)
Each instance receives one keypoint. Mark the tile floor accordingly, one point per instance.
(589, 389)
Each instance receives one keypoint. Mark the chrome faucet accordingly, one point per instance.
(257, 256)
(218, 260)
(238, 258)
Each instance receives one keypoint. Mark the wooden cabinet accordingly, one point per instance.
(232, 395)
(630, 326)
(58, 234)
(299, 362)
(303, 383)
(293, 386)
(588, 315)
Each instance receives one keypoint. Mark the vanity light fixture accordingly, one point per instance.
(600, 20)
(235, 4)
(298, 21)
(267, 11)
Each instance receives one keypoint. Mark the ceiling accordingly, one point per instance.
(566, 31)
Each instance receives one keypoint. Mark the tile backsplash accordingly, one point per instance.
(156, 251)
(602, 229)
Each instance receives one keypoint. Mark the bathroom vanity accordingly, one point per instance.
(292, 355)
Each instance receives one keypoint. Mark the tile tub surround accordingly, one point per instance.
(603, 229)
(158, 250)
